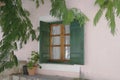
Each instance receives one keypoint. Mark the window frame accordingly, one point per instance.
(76, 43)
(62, 45)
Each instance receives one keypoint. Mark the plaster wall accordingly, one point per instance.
(102, 49)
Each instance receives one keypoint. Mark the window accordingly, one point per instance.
(61, 43)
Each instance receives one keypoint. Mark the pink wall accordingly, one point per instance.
(102, 49)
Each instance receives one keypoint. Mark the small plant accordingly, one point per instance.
(33, 60)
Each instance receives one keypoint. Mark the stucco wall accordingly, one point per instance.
(102, 49)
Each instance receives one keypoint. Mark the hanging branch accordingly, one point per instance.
(15, 26)
(60, 10)
(38, 2)
(112, 8)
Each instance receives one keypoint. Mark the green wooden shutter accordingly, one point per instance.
(77, 43)
(44, 42)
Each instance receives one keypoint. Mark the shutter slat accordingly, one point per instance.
(44, 42)
(77, 43)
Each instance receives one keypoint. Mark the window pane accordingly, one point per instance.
(67, 29)
(56, 30)
(67, 39)
(67, 53)
(56, 53)
(56, 40)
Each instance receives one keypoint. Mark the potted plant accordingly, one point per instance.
(32, 64)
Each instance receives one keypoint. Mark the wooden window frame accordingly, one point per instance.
(62, 42)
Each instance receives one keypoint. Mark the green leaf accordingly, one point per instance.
(112, 8)
(1, 68)
(37, 3)
(100, 2)
(58, 8)
(116, 4)
(8, 64)
(42, 1)
(110, 17)
(68, 17)
(15, 46)
(98, 16)
(112, 24)
(33, 35)
(15, 60)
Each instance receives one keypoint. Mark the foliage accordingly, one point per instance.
(9, 63)
(38, 2)
(16, 27)
(33, 60)
(112, 8)
(60, 10)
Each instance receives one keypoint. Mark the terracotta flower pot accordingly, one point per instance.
(32, 71)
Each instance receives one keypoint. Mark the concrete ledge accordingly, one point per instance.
(59, 73)
(38, 77)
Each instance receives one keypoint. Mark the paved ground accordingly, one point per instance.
(40, 77)
(43, 77)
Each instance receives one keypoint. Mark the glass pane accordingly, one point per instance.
(56, 53)
(67, 53)
(67, 39)
(67, 29)
(55, 40)
(56, 30)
